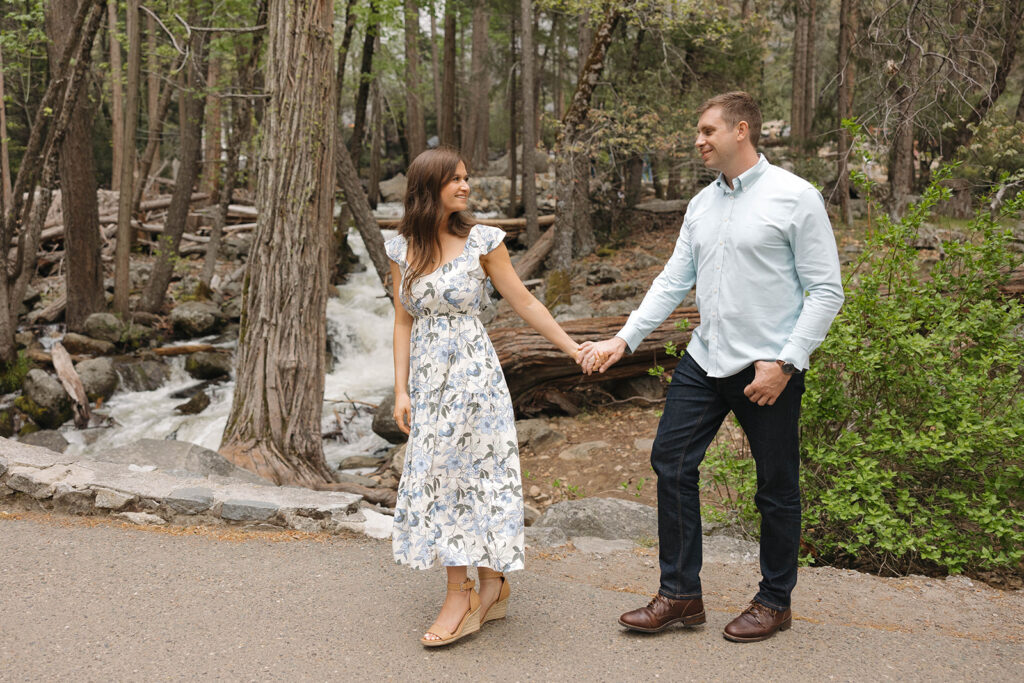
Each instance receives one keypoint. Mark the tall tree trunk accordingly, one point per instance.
(1019, 116)
(572, 177)
(48, 128)
(435, 67)
(191, 127)
(556, 85)
(122, 255)
(151, 154)
(274, 425)
(447, 114)
(376, 140)
(212, 132)
(585, 37)
(802, 58)
(475, 130)
(904, 88)
(415, 126)
(84, 276)
(5, 156)
(154, 93)
(362, 216)
(513, 97)
(529, 124)
(847, 9)
(355, 144)
(116, 100)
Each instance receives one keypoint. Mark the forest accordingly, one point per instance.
(145, 145)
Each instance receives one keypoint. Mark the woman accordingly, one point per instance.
(460, 499)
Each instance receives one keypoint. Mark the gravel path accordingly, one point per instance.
(97, 600)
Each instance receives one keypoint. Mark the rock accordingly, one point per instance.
(208, 364)
(530, 515)
(232, 308)
(24, 338)
(247, 510)
(582, 451)
(195, 405)
(354, 461)
(620, 290)
(47, 438)
(6, 423)
(576, 311)
(44, 400)
(190, 500)
(393, 189)
(600, 546)
(723, 549)
(140, 374)
(3, 466)
(80, 344)
(545, 537)
(534, 491)
(603, 518)
(38, 483)
(537, 434)
(178, 457)
(662, 206)
(613, 308)
(644, 445)
(112, 500)
(104, 326)
(642, 260)
(384, 424)
(602, 274)
(98, 377)
(196, 319)
(397, 458)
(145, 318)
(138, 336)
(644, 386)
(235, 247)
(141, 518)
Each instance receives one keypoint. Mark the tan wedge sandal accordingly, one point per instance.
(498, 608)
(470, 621)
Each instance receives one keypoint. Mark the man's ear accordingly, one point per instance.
(742, 131)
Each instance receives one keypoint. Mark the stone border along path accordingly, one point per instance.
(146, 497)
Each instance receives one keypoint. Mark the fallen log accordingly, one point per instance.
(512, 226)
(182, 350)
(378, 496)
(540, 376)
(534, 257)
(72, 384)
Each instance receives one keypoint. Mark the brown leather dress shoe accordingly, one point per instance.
(757, 622)
(662, 612)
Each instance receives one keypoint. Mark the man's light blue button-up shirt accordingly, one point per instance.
(763, 258)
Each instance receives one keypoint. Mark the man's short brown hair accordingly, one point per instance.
(737, 106)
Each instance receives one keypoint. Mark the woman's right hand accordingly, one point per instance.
(403, 411)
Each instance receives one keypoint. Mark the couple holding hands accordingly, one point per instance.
(757, 245)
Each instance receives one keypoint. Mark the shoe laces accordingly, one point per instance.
(761, 613)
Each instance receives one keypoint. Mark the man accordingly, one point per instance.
(758, 246)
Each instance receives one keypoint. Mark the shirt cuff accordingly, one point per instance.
(631, 337)
(792, 353)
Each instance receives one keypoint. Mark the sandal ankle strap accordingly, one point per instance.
(485, 574)
(466, 585)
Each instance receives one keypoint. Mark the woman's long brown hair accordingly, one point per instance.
(420, 226)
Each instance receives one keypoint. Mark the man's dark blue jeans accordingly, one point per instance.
(695, 407)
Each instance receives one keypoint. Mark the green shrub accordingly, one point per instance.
(913, 421)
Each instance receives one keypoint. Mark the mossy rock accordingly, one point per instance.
(6, 423)
(47, 419)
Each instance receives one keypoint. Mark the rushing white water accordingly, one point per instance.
(359, 325)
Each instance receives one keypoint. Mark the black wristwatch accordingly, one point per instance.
(787, 368)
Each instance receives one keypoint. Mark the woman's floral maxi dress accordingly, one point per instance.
(460, 498)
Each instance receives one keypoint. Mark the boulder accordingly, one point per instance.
(642, 260)
(662, 206)
(79, 344)
(44, 400)
(537, 434)
(47, 438)
(104, 326)
(177, 457)
(602, 518)
(141, 374)
(195, 405)
(545, 537)
(602, 274)
(208, 364)
(236, 247)
(393, 189)
(398, 459)
(620, 290)
(98, 377)
(196, 319)
(643, 386)
(384, 424)
(137, 336)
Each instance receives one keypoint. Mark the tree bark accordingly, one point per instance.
(212, 132)
(847, 10)
(376, 140)
(528, 63)
(572, 177)
(154, 111)
(365, 223)
(1019, 116)
(274, 425)
(447, 115)
(152, 152)
(122, 255)
(194, 102)
(5, 157)
(355, 145)
(415, 125)
(513, 97)
(116, 99)
(477, 120)
(435, 66)
(346, 44)
(904, 87)
(84, 276)
(803, 58)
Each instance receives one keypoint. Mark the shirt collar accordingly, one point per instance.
(745, 180)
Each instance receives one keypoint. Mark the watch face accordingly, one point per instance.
(788, 369)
